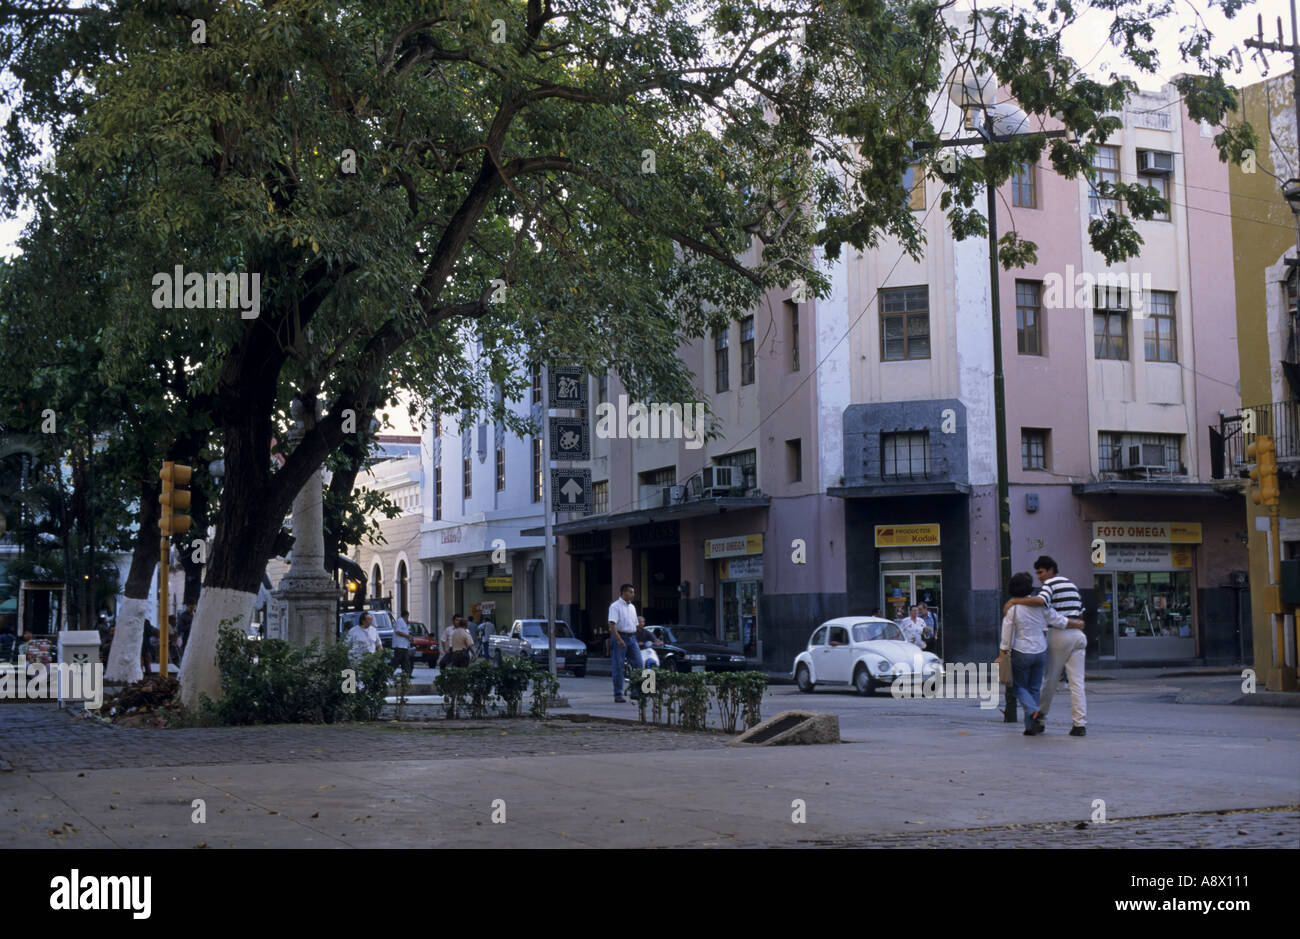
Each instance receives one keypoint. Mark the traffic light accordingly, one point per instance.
(1264, 489)
(174, 499)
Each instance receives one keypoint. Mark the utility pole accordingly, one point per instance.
(548, 555)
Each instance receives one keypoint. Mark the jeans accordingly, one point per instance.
(402, 659)
(618, 653)
(1027, 681)
(1066, 647)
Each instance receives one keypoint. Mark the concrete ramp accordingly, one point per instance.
(791, 728)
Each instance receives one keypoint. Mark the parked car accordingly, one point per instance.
(528, 637)
(383, 624)
(689, 647)
(862, 652)
(424, 644)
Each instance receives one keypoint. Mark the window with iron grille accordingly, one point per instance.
(1292, 292)
(437, 423)
(467, 471)
(747, 351)
(1033, 449)
(501, 469)
(721, 360)
(537, 383)
(537, 469)
(1029, 317)
(914, 183)
(905, 455)
(602, 389)
(792, 309)
(600, 497)
(1161, 332)
(746, 465)
(652, 483)
(1024, 186)
(437, 493)
(1115, 452)
(904, 323)
(1106, 163)
(1109, 324)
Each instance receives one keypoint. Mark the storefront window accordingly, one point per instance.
(1150, 604)
(740, 614)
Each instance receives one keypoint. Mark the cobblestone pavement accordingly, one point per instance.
(42, 738)
(1248, 828)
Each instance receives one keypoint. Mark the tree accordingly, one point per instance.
(596, 182)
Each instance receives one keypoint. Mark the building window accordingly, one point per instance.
(537, 383)
(1029, 317)
(1024, 186)
(914, 183)
(1106, 165)
(376, 581)
(1033, 449)
(1109, 325)
(794, 460)
(402, 600)
(721, 361)
(468, 476)
(1161, 335)
(1161, 185)
(501, 469)
(905, 455)
(792, 314)
(437, 494)
(437, 423)
(904, 323)
(600, 497)
(602, 389)
(1119, 452)
(746, 465)
(747, 351)
(652, 485)
(537, 469)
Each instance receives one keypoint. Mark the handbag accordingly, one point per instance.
(1005, 675)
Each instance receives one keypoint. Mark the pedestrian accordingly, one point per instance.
(913, 627)
(930, 632)
(486, 629)
(363, 637)
(1066, 648)
(402, 643)
(146, 647)
(184, 623)
(622, 638)
(462, 645)
(444, 641)
(1024, 638)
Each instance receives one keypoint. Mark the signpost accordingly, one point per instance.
(571, 490)
(570, 439)
(563, 439)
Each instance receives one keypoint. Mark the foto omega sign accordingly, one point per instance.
(1148, 532)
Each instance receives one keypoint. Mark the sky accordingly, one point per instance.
(1086, 42)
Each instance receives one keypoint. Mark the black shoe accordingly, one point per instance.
(1078, 731)
(1040, 727)
(620, 700)
(1032, 732)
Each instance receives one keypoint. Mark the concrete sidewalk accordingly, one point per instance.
(899, 778)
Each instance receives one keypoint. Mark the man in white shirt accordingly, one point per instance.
(622, 638)
(363, 637)
(913, 627)
(402, 643)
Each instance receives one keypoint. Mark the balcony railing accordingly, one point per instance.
(1236, 432)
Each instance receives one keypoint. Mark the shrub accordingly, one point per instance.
(728, 688)
(692, 699)
(452, 684)
(753, 685)
(480, 679)
(545, 687)
(513, 674)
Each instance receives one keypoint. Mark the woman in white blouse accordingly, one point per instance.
(1024, 636)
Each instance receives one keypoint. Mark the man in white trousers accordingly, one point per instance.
(1065, 646)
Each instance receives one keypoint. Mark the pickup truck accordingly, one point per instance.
(528, 637)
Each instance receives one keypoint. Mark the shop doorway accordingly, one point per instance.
(661, 570)
(899, 589)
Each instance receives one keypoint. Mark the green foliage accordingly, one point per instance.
(273, 682)
(453, 684)
(545, 687)
(691, 696)
(727, 692)
(512, 677)
(479, 682)
(753, 685)
(401, 690)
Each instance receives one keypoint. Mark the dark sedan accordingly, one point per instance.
(689, 647)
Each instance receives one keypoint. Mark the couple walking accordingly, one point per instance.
(1043, 633)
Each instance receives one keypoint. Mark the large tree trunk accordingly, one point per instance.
(128, 632)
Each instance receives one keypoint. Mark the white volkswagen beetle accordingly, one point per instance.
(865, 652)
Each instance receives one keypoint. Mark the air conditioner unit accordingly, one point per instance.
(459, 575)
(718, 480)
(1155, 162)
(674, 495)
(1146, 456)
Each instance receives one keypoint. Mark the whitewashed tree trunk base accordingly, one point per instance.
(199, 674)
(128, 638)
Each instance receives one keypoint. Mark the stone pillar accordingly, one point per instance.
(304, 606)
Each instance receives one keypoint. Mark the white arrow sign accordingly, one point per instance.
(571, 490)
